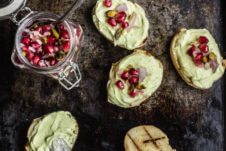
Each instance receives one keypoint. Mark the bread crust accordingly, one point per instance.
(114, 65)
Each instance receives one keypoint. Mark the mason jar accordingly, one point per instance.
(66, 71)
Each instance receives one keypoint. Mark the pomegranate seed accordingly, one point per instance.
(25, 48)
(121, 17)
(66, 46)
(36, 59)
(133, 80)
(46, 28)
(64, 34)
(125, 75)
(198, 58)
(48, 49)
(39, 29)
(112, 22)
(191, 50)
(35, 45)
(50, 40)
(108, 3)
(133, 93)
(53, 62)
(203, 39)
(204, 48)
(26, 41)
(133, 72)
(120, 84)
(61, 27)
(124, 24)
(29, 55)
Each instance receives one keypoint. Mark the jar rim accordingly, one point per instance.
(42, 16)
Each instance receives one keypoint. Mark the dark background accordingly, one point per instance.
(192, 119)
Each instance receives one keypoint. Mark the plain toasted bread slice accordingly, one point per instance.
(146, 138)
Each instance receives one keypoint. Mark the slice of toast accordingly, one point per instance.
(146, 60)
(146, 138)
(141, 44)
(69, 130)
(177, 65)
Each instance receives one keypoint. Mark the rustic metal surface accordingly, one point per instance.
(192, 119)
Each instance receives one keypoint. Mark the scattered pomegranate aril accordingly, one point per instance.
(35, 45)
(133, 93)
(120, 84)
(112, 22)
(39, 29)
(25, 48)
(121, 17)
(48, 49)
(50, 40)
(204, 48)
(108, 3)
(203, 39)
(191, 50)
(133, 72)
(36, 59)
(125, 75)
(66, 46)
(124, 25)
(46, 28)
(26, 41)
(53, 62)
(133, 80)
(198, 58)
(64, 34)
(29, 56)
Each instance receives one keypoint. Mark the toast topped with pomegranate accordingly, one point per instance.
(197, 58)
(123, 22)
(133, 79)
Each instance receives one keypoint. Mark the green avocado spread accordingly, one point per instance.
(200, 77)
(131, 39)
(50, 132)
(151, 81)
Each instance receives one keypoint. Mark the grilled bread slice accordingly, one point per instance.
(146, 138)
(196, 76)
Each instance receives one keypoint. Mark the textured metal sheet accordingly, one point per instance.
(192, 119)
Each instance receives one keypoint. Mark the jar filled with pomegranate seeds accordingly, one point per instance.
(44, 47)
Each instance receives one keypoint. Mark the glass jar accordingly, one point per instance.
(65, 71)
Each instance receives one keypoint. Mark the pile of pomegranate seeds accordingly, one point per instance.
(117, 16)
(130, 77)
(201, 55)
(44, 45)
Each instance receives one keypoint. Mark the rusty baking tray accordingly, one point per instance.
(193, 119)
